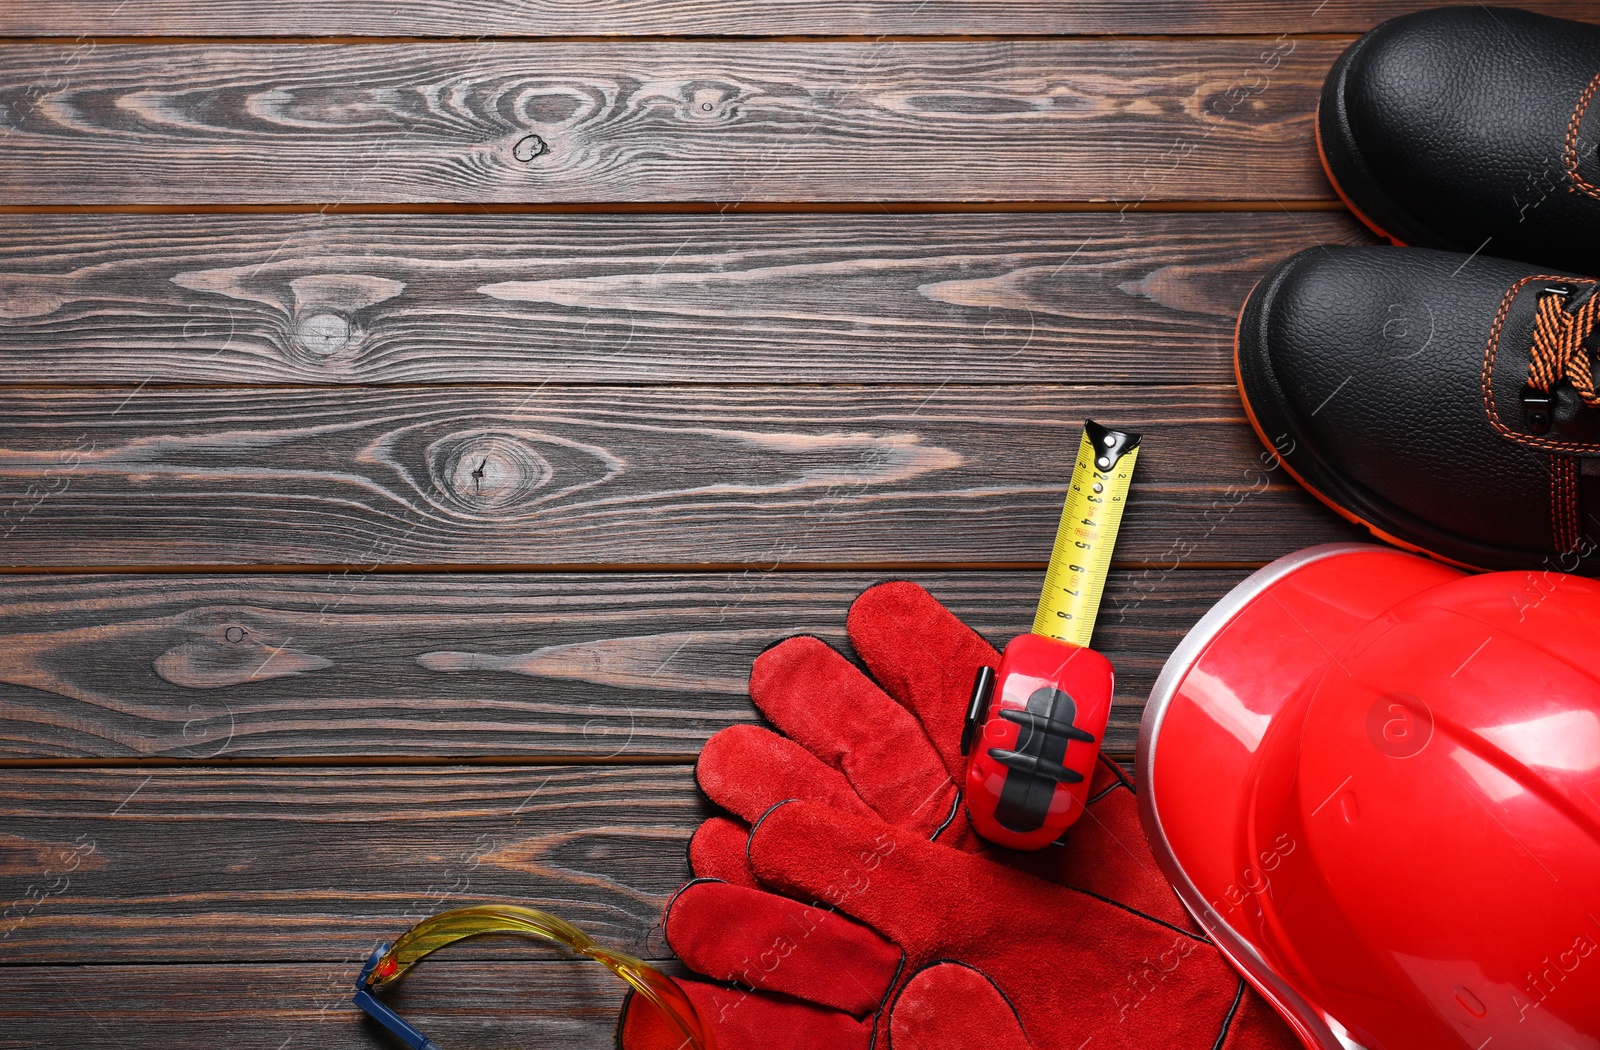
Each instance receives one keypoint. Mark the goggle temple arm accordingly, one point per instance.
(375, 1008)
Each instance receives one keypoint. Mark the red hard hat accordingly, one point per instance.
(1375, 782)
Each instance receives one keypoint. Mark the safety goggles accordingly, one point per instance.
(388, 964)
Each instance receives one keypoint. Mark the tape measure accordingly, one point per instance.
(1035, 724)
(1087, 534)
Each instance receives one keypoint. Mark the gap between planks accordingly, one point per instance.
(487, 21)
(663, 38)
(688, 758)
(562, 568)
(686, 208)
(690, 38)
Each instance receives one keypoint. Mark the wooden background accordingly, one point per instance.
(417, 415)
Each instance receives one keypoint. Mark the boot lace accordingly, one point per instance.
(1560, 330)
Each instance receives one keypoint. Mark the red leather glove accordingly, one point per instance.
(858, 808)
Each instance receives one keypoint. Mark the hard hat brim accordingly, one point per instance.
(1212, 705)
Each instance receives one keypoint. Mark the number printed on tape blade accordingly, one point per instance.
(1087, 534)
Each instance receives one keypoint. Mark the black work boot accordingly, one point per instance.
(1471, 129)
(1447, 402)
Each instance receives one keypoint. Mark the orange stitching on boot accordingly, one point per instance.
(1559, 518)
(1555, 502)
(1565, 526)
(1569, 527)
(1574, 515)
(1566, 505)
(1575, 496)
(1571, 156)
(1569, 480)
(1487, 378)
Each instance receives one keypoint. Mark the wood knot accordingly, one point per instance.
(529, 147)
(487, 471)
(223, 648)
(711, 102)
(323, 333)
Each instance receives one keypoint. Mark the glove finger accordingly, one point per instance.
(924, 656)
(823, 702)
(1034, 937)
(747, 770)
(920, 895)
(953, 1007)
(718, 851)
(774, 944)
(743, 1020)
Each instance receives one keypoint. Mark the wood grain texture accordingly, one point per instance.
(454, 18)
(757, 476)
(286, 1006)
(344, 666)
(258, 865)
(636, 299)
(206, 905)
(619, 122)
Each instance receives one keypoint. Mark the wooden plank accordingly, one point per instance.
(286, 1006)
(754, 476)
(344, 666)
(190, 865)
(457, 18)
(1073, 120)
(636, 299)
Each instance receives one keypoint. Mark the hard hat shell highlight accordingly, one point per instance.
(1375, 781)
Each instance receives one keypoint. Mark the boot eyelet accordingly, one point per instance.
(1538, 409)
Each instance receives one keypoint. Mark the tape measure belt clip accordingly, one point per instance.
(1035, 761)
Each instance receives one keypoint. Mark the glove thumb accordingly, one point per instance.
(949, 1006)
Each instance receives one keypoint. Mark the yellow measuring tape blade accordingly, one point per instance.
(1086, 536)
